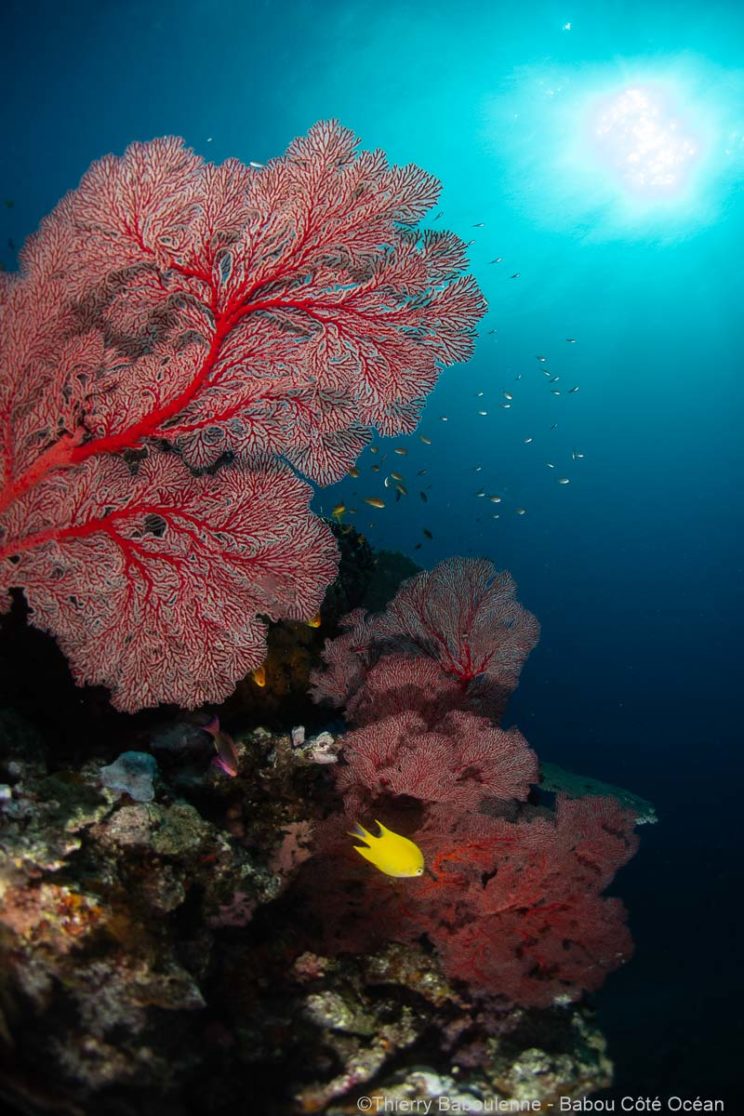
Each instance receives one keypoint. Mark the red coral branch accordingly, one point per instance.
(226, 313)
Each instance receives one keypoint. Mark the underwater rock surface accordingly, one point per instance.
(133, 773)
(151, 960)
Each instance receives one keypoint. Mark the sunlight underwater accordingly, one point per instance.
(583, 147)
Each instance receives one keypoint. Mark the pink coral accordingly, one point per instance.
(517, 910)
(462, 760)
(513, 908)
(173, 318)
(462, 619)
(293, 849)
(513, 900)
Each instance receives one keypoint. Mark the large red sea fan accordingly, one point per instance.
(212, 319)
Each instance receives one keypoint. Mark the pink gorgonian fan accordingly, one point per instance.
(461, 627)
(462, 760)
(513, 908)
(179, 338)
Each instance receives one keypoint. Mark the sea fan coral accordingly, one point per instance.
(517, 909)
(512, 902)
(462, 760)
(513, 908)
(175, 318)
(463, 617)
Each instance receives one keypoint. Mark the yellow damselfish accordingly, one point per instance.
(390, 853)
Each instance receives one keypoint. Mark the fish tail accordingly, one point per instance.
(360, 831)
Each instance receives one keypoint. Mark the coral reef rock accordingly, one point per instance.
(154, 954)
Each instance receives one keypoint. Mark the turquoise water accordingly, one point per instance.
(634, 567)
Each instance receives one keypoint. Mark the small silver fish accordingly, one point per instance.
(564, 480)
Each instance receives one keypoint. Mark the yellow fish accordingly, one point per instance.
(338, 512)
(392, 854)
(374, 502)
(354, 472)
(315, 622)
(259, 676)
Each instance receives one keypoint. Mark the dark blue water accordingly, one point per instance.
(634, 568)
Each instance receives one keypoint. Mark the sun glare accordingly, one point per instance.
(643, 141)
(632, 148)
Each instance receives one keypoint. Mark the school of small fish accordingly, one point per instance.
(397, 485)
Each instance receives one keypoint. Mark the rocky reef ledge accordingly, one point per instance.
(154, 952)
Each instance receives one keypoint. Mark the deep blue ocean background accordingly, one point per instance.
(634, 568)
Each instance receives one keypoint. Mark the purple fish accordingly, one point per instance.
(224, 745)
